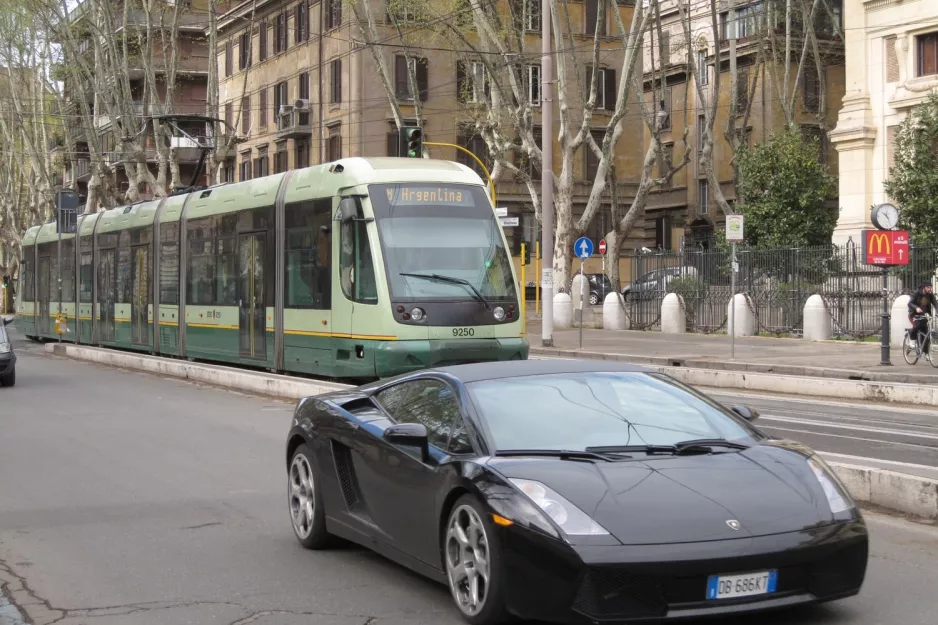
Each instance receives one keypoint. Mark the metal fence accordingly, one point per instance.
(778, 282)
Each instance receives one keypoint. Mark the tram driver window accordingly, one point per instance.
(356, 268)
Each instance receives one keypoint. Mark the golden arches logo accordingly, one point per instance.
(881, 240)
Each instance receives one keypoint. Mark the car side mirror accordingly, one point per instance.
(747, 413)
(7, 320)
(411, 435)
(348, 209)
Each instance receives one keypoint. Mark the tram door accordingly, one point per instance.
(107, 293)
(45, 294)
(140, 298)
(252, 311)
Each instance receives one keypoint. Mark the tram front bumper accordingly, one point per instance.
(396, 357)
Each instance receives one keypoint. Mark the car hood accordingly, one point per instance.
(673, 499)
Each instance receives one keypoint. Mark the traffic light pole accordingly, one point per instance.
(547, 175)
(477, 160)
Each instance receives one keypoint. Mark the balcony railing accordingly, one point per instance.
(295, 124)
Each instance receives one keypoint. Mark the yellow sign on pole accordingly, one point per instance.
(524, 293)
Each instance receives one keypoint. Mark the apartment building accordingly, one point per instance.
(188, 97)
(685, 212)
(308, 54)
(892, 66)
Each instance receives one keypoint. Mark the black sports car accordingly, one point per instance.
(572, 491)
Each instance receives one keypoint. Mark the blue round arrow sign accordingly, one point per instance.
(583, 247)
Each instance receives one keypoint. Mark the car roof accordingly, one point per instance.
(477, 372)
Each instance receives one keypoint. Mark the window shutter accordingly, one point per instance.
(610, 86)
(423, 79)
(228, 58)
(592, 10)
(588, 81)
(394, 143)
(262, 113)
(262, 41)
(461, 89)
(400, 77)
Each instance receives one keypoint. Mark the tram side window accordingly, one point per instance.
(356, 266)
(124, 269)
(169, 264)
(68, 270)
(308, 255)
(28, 289)
(200, 288)
(86, 281)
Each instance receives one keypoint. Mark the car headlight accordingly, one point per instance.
(838, 500)
(569, 518)
(5, 348)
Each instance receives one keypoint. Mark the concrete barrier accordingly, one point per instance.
(614, 316)
(909, 494)
(673, 314)
(744, 321)
(818, 324)
(563, 311)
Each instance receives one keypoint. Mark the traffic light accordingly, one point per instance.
(6, 282)
(411, 142)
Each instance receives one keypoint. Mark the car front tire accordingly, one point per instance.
(9, 378)
(305, 501)
(472, 558)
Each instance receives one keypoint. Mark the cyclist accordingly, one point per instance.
(922, 303)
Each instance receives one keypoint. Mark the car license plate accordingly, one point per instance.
(745, 585)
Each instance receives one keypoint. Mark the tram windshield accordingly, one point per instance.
(441, 241)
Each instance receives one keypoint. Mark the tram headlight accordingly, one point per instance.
(499, 313)
(417, 314)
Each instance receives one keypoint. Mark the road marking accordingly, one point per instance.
(867, 405)
(893, 462)
(842, 426)
(852, 438)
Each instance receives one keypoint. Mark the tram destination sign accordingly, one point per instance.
(427, 195)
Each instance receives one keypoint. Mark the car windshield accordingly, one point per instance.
(437, 232)
(575, 411)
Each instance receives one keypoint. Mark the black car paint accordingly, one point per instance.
(8, 360)
(401, 505)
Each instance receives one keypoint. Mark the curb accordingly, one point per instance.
(861, 380)
(907, 494)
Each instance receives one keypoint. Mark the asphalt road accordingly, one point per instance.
(130, 499)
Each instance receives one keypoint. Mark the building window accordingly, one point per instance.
(245, 167)
(302, 153)
(592, 24)
(244, 50)
(228, 64)
(335, 92)
(333, 13)
(665, 105)
(703, 197)
(262, 41)
(472, 86)
(664, 47)
(701, 128)
(280, 158)
(665, 157)
(927, 53)
(533, 79)
(403, 66)
(663, 232)
(815, 135)
(280, 97)
(533, 171)
(334, 143)
(262, 108)
(261, 163)
(228, 173)
(605, 87)
(394, 141)
(742, 90)
(304, 95)
(532, 15)
(475, 144)
(301, 22)
(246, 115)
(702, 70)
(592, 161)
(280, 33)
(812, 90)
(400, 13)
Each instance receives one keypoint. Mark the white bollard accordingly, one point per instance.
(563, 311)
(818, 325)
(673, 315)
(614, 317)
(744, 323)
(899, 321)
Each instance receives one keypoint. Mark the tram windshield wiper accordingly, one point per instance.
(451, 280)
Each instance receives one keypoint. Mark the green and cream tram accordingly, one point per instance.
(356, 269)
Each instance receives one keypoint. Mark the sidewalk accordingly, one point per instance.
(796, 357)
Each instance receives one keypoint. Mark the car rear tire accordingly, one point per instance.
(305, 502)
(9, 378)
(594, 299)
(472, 560)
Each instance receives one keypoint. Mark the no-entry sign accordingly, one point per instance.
(602, 246)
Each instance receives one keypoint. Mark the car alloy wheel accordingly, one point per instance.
(467, 560)
(594, 299)
(302, 496)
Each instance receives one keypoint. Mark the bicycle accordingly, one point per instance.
(912, 354)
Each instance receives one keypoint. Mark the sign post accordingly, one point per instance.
(583, 248)
(734, 234)
(602, 252)
(885, 248)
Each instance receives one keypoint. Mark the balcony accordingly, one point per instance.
(189, 150)
(294, 124)
(79, 171)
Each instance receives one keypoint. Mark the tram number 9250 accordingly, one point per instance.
(464, 332)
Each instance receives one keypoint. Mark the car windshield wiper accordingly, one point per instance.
(557, 453)
(710, 442)
(696, 445)
(451, 280)
(648, 449)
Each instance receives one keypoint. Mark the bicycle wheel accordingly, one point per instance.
(908, 352)
(931, 352)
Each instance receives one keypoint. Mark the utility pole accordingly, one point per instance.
(547, 176)
(733, 34)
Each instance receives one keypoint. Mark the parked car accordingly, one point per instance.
(600, 286)
(572, 491)
(7, 356)
(655, 283)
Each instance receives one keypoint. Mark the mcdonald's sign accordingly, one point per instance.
(885, 247)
